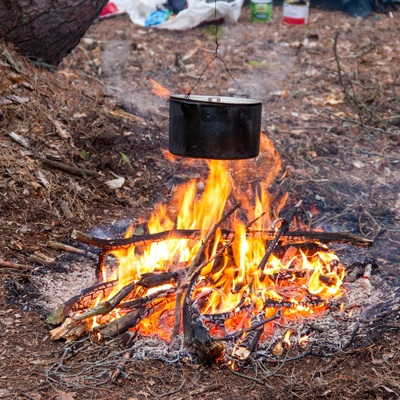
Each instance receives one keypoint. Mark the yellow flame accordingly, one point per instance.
(233, 277)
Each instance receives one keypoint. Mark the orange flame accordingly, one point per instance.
(160, 90)
(232, 282)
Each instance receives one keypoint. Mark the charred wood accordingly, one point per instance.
(243, 350)
(287, 220)
(122, 324)
(196, 234)
(107, 306)
(80, 302)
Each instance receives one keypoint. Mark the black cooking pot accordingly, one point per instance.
(222, 128)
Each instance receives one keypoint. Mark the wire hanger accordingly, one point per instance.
(215, 56)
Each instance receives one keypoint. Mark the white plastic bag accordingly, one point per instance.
(197, 11)
(138, 10)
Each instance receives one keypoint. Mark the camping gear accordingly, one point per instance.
(261, 10)
(295, 12)
(214, 127)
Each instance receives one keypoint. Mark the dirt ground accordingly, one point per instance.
(337, 134)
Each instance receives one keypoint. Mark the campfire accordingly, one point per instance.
(225, 268)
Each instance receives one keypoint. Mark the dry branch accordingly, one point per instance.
(82, 172)
(193, 277)
(9, 264)
(196, 234)
(287, 220)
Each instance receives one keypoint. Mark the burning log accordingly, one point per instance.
(195, 333)
(122, 324)
(69, 331)
(107, 306)
(286, 221)
(109, 245)
(251, 338)
(81, 301)
(89, 295)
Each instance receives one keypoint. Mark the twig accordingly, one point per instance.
(69, 249)
(252, 378)
(173, 391)
(205, 389)
(82, 172)
(9, 264)
(255, 326)
(287, 220)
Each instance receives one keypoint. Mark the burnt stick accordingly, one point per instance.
(147, 281)
(107, 306)
(122, 324)
(80, 302)
(109, 245)
(250, 340)
(194, 265)
(287, 220)
(234, 335)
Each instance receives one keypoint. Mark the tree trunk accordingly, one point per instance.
(47, 30)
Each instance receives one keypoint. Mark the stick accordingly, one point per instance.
(107, 306)
(82, 172)
(9, 264)
(234, 335)
(122, 324)
(140, 240)
(193, 266)
(287, 220)
(249, 342)
(42, 259)
(69, 249)
(81, 301)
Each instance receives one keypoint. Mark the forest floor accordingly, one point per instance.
(337, 134)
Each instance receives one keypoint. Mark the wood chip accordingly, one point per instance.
(60, 128)
(124, 115)
(42, 179)
(20, 140)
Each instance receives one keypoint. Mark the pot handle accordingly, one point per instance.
(185, 110)
(206, 116)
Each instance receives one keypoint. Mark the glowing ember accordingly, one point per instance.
(232, 292)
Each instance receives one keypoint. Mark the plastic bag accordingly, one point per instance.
(199, 11)
(196, 12)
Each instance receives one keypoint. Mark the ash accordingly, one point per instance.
(153, 348)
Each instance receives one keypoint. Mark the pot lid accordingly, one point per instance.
(222, 100)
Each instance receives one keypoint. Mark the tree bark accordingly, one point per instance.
(47, 30)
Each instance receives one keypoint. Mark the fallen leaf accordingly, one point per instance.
(65, 395)
(116, 183)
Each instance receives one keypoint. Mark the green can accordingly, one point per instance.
(261, 10)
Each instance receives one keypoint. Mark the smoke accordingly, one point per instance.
(122, 67)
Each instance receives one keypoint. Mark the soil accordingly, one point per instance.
(337, 135)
